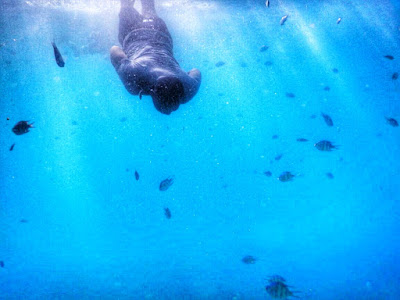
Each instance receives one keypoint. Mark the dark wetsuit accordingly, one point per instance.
(148, 46)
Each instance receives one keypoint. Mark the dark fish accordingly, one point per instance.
(338, 21)
(290, 95)
(267, 3)
(392, 122)
(268, 63)
(219, 64)
(395, 75)
(302, 140)
(275, 136)
(328, 119)
(22, 127)
(286, 176)
(136, 175)
(279, 290)
(276, 278)
(167, 213)
(57, 54)
(334, 70)
(123, 119)
(268, 173)
(283, 20)
(140, 94)
(166, 183)
(248, 259)
(389, 57)
(264, 48)
(23, 221)
(327, 88)
(278, 157)
(12, 147)
(325, 146)
(329, 175)
(1, 264)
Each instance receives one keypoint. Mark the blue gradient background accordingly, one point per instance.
(94, 232)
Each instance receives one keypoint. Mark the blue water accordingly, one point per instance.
(74, 222)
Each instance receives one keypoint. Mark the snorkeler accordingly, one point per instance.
(145, 64)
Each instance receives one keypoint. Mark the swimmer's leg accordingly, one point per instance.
(129, 19)
(148, 9)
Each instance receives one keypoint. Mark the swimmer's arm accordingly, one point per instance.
(195, 74)
(117, 55)
(192, 85)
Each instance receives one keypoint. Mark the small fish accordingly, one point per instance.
(313, 116)
(12, 147)
(392, 122)
(136, 175)
(290, 95)
(328, 119)
(219, 64)
(327, 88)
(268, 173)
(338, 21)
(140, 94)
(57, 54)
(167, 213)
(268, 63)
(275, 136)
(276, 278)
(329, 175)
(22, 127)
(302, 140)
(166, 183)
(248, 259)
(286, 176)
(395, 76)
(390, 57)
(23, 221)
(279, 290)
(267, 3)
(278, 157)
(283, 20)
(325, 146)
(1, 264)
(334, 70)
(264, 48)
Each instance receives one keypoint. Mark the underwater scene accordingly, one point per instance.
(276, 178)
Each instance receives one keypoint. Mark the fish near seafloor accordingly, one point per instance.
(166, 183)
(325, 146)
(58, 56)
(279, 290)
(283, 20)
(22, 127)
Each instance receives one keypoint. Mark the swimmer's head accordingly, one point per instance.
(167, 94)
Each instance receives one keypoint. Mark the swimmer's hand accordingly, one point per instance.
(117, 55)
(195, 74)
